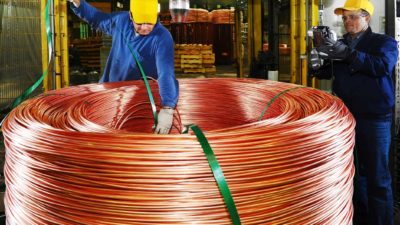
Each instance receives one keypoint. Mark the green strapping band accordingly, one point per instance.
(218, 175)
(275, 98)
(153, 105)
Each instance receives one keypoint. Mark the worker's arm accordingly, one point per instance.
(379, 63)
(168, 85)
(94, 17)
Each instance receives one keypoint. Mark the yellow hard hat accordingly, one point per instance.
(353, 5)
(144, 11)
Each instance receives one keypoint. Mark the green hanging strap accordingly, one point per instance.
(275, 98)
(29, 91)
(153, 105)
(218, 175)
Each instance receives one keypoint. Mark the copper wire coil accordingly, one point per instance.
(87, 155)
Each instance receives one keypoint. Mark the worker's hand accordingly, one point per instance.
(165, 118)
(76, 3)
(334, 50)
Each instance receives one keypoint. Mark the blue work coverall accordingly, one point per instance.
(364, 83)
(155, 51)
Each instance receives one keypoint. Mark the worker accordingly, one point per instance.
(362, 64)
(139, 30)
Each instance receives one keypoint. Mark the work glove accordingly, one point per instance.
(334, 50)
(315, 60)
(165, 118)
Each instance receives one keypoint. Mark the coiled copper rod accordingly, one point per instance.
(87, 155)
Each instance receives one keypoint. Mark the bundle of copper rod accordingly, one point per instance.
(87, 155)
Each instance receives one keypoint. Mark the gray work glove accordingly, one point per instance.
(165, 118)
(334, 50)
(315, 60)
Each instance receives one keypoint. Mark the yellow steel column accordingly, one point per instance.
(293, 40)
(238, 43)
(62, 68)
(60, 44)
(254, 29)
(57, 43)
(64, 44)
(258, 33)
(45, 49)
(303, 42)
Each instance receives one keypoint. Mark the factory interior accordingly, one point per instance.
(256, 136)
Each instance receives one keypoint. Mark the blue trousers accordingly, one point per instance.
(373, 198)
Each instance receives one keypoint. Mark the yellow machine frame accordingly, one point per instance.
(59, 66)
(301, 12)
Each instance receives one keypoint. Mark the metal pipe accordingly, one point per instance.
(64, 44)
(321, 13)
(303, 47)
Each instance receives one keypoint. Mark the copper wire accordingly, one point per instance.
(87, 155)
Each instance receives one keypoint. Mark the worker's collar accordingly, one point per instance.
(353, 41)
(358, 35)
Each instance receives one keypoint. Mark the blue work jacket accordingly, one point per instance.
(154, 51)
(364, 81)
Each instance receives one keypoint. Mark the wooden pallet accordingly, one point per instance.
(194, 58)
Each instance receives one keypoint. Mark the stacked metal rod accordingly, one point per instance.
(86, 155)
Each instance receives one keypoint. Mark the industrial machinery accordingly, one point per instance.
(278, 41)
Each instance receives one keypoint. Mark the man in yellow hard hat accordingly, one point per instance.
(362, 64)
(140, 30)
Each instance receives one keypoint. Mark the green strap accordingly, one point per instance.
(29, 91)
(153, 105)
(218, 175)
(275, 98)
